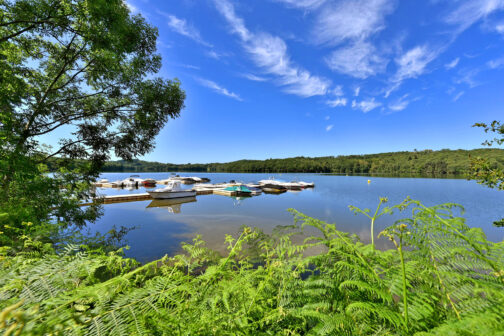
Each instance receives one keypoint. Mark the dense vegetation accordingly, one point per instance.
(442, 278)
(84, 66)
(426, 162)
(88, 65)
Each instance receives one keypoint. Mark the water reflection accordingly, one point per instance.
(160, 231)
(172, 205)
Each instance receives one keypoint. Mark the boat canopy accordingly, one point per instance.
(239, 188)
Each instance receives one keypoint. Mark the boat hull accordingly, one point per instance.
(171, 194)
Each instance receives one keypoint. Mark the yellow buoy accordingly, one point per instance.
(368, 181)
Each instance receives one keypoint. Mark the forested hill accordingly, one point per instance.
(425, 162)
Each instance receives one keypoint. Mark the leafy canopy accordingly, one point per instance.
(85, 68)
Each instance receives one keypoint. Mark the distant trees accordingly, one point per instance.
(432, 163)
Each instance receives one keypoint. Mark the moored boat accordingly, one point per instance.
(149, 183)
(172, 190)
(273, 188)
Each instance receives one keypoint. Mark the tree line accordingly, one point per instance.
(424, 162)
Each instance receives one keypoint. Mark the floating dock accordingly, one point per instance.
(136, 197)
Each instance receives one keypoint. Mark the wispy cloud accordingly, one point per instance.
(499, 28)
(215, 55)
(181, 27)
(400, 104)
(469, 12)
(457, 97)
(304, 4)
(357, 91)
(133, 9)
(412, 64)
(351, 19)
(327, 118)
(452, 64)
(337, 102)
(359, 59)
(270, 53)
(366, 105)
(254, 78)
(468, 76)
(189, 66)
(219, 89)
(496, 63)
(329, 127)
(338, 90)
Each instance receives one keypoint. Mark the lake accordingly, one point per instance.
(159, 230)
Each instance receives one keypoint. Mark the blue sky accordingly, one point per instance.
(282, 78)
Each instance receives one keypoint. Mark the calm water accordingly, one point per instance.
(160, 230)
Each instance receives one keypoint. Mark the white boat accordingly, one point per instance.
(132, 181)
(270, 181)
(172, 190)
(307, 184)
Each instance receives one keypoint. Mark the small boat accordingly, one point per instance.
(307, 184)
(235, 190)
(292, 185)
(254, 191)
(273, 188)
(132, 181)
(172, 190)
(103, 181)
(149, 183)
(271, 180)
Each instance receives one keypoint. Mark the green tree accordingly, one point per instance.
(87, 66)
(483, 170)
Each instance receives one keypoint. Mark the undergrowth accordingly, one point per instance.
(442, 278)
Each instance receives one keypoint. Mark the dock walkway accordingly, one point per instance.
(136, 197)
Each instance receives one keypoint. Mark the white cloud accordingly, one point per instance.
(357, 91)
(327, 118)
(254, 78)
(219, 89)
(329, 127)
(469, 12)
(458, 96)
(131, 7)
(304, 4)
(187, 66)
(496, 63)
(270, 53)
(359, 59)
(412, 64)
(337, 102)
(181, 27)
(452, 64)
(338, 91)
(216, 55)
(351, 19)
(499, 28)
(399, 104)
(236, 23)
(366, 105)
(468, 77)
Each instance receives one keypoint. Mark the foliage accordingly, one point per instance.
(485, 171)
(416, 163)
(443, 278)
(79, 67)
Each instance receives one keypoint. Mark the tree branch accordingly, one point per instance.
(8, 37)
